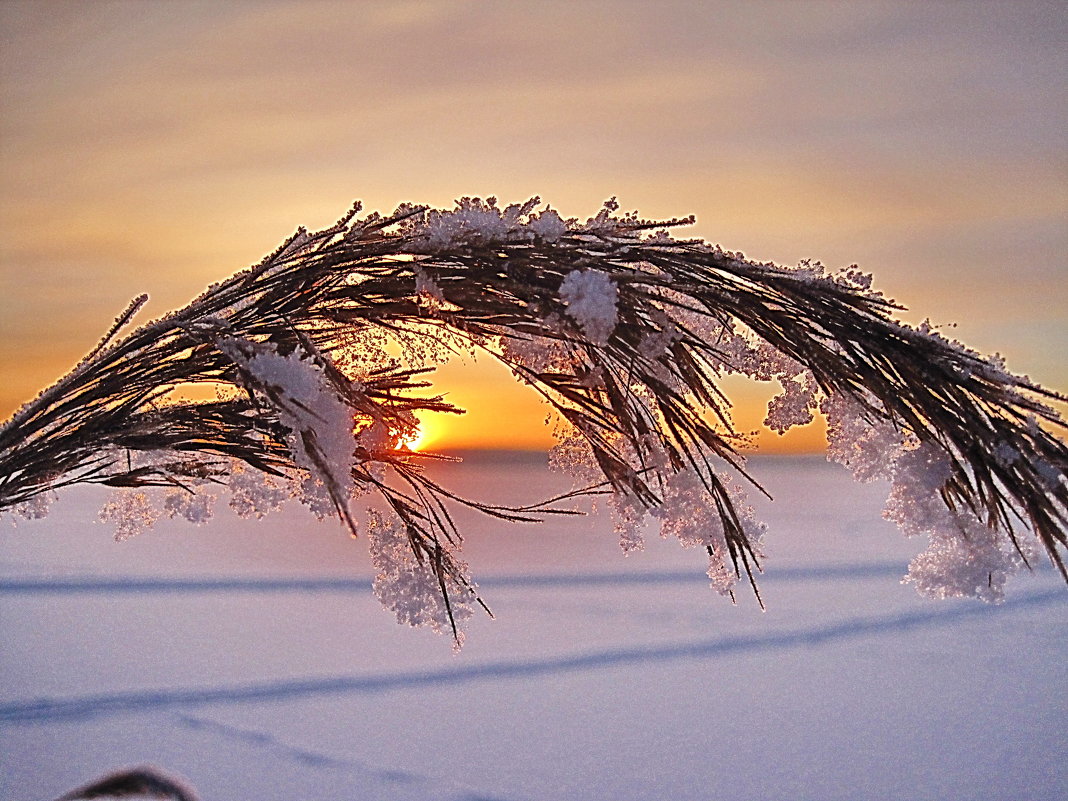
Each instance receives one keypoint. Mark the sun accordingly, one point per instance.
(413, 442)
(426, 434)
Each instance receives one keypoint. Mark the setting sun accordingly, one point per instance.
(413, 442)
(428, 435)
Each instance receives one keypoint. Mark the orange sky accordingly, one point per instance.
(159, 146)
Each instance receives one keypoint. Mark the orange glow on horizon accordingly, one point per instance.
(500, 413)
(154, 152)
(450, 435)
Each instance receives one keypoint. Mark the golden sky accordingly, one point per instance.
(159, 146)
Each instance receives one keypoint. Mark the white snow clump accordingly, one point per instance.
(965, 557)
(320, 422)
(410, 587)
(591, 298)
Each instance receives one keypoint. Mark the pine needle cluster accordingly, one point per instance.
(624, 330)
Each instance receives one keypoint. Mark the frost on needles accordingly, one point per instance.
(624, 330)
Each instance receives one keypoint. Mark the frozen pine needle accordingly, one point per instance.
(624, 330)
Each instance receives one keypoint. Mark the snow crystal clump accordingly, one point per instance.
(691, 517)
(410, 587)
(572, 455)
(373, 439)
(604, 221)
(966, 557)
(33, 508)
(194, 507)
(1005, 454)
(591, 298)
(972, 561)
(1050, 475)
(130, 512)
(628, 516)
(320, 422)
(315, 497)
(743, 352)
(537, 353)
(254, 494)
(653, 345)
(473, 220)
(870, 451)
(480, 222)
(915, 501)
(855, 277)
(427, 292)
(548, 226)
(794, 405)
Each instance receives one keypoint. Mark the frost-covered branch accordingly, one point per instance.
(624, 330)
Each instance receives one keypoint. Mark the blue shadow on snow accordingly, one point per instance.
(51, 709)
(130, 584)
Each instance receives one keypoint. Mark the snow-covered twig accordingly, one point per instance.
(621, 328)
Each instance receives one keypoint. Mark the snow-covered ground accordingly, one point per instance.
(251, 658)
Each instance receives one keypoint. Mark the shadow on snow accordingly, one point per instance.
(149, 700)
(131, 584)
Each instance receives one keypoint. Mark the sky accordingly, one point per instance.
(160, 146)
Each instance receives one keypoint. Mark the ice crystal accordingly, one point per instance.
(254, 493)
(794, 406)
(690, 516)
(548, 226)
(808, 271)
(867, 447)
(628, 517)
(536, 353)
(131, 513)
(965, 557)
(374, 438)
(572, 455)
(34, 508)
(854, 276)
(1051, 476)
(427, 292)
(970, 561)
(410, 587)
(474, 221)
(1005, 454)
(915, 501)
(360, 352)
(195, 507)
(742, 352)
(657, 343)
(320, 422)
(591, 297)
(315, 496)
(605, 221)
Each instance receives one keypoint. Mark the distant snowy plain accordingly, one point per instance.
(251, 658)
